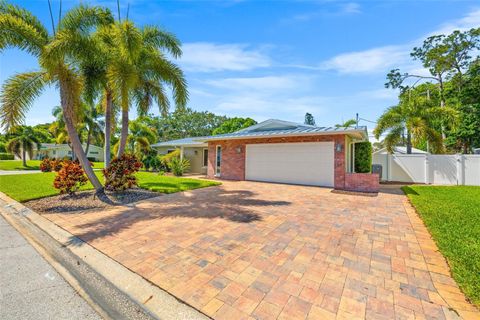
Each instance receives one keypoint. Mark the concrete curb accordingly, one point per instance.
(156, 301)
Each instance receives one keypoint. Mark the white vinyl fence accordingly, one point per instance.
(430, 169)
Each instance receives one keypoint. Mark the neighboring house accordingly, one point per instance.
(284, 152)
(192, 149)
(61, 151)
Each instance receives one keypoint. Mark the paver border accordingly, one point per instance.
(157, 301)
(437, 265)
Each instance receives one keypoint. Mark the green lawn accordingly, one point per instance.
(31, 165)
(452, 215)
(24, 187)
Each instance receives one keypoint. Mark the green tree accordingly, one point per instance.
(347, 124)
(309, 119)
(234, 124)
(22, 140)
(139, 70)
(412, 121)
(140, 137)
(21, 29)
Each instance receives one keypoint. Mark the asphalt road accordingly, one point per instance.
(30, 288)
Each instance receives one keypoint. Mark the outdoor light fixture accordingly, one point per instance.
(238, 149)
(338, 147)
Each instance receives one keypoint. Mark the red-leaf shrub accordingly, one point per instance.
(120, 174)
(46, 165)
(70, 177)
(56, 164)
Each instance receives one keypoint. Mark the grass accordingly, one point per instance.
(452, 215)
(31, 165)
(24, 187)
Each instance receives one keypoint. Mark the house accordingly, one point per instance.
(193, 149)
(283, 152)
(61, 151)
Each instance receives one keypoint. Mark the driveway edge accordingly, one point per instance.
(155, 300)
(437, 266)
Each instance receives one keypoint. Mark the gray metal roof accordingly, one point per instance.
(181, 142)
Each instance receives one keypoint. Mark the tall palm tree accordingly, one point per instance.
(23, 140)
(413, 120)
(141, 137)
(139, 70)
(56, 55)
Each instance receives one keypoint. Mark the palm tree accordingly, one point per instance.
(140, 137)
(413, 120)
(56, 55)
(23, 140)
(139, 70)
(346, 124)
(93, 125)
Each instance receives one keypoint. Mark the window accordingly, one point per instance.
(170, 150)
(93, 152)
(69, 152)
(54, 152)
(218, 161)
(205, 157)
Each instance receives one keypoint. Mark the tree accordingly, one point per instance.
(140, 137)
(185, 122)
(139, 70)
(23, 140)
(56, 56)
(309, 119)
(347, 124)
(412, 121)
(234, 124)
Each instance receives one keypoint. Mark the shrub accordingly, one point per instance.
(179, 166)
(166, 159)
(56, 164)
(70, 177)
(46, 165)
(152, 161)
(6, 156)
(120, 174)
(363, 157)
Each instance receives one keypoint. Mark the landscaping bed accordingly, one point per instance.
(452, 215)
(86, 200)
(32, 165)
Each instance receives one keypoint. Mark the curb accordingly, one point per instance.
(155, 300)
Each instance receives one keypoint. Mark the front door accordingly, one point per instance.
(218, 161)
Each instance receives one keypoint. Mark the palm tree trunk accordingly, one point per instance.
(409, 142)
(24, 156)
(108, 127)
(89, 135)
(124, 134)
(67, 106)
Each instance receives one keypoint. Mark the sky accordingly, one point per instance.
(279, 59)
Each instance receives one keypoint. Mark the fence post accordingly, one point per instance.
(389, 166)
(427, 170)
(459, 169)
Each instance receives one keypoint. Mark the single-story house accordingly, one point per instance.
(61, 151)
(280, 151)
(193, 149)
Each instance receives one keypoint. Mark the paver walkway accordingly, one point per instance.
(271, 251)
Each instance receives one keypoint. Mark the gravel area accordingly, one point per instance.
(86, 200)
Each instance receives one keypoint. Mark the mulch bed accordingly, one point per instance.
(86, 200)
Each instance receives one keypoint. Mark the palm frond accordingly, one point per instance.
(16, 32)
(24, 15)
(155, 38)
(14, 146)
(17, 96)
(82, 18)
(393, 138)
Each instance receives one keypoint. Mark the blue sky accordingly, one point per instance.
(280, 59)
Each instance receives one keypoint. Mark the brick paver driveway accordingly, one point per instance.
(269, 251)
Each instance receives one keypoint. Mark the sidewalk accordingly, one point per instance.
(30, 288)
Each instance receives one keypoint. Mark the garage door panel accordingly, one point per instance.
(298, 163)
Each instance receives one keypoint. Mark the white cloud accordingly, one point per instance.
(259, 83)
(381, 59)
(210, 57)
(351, 8)
(373, 60)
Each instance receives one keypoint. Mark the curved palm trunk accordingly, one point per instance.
(108, 127)
(66, 102)
(124, 134)
(89, 136)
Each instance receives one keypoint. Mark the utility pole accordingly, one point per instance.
(356, 122)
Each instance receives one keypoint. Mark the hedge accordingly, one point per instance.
(6, 156)
(363, 157)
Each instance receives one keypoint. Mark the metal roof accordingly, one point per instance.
(193, 141)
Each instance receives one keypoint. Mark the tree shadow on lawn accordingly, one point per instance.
(209, 203)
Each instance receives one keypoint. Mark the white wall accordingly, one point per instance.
(430, 169)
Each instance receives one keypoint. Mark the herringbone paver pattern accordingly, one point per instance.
(248, 250)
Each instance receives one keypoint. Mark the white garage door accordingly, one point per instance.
(309, 163)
